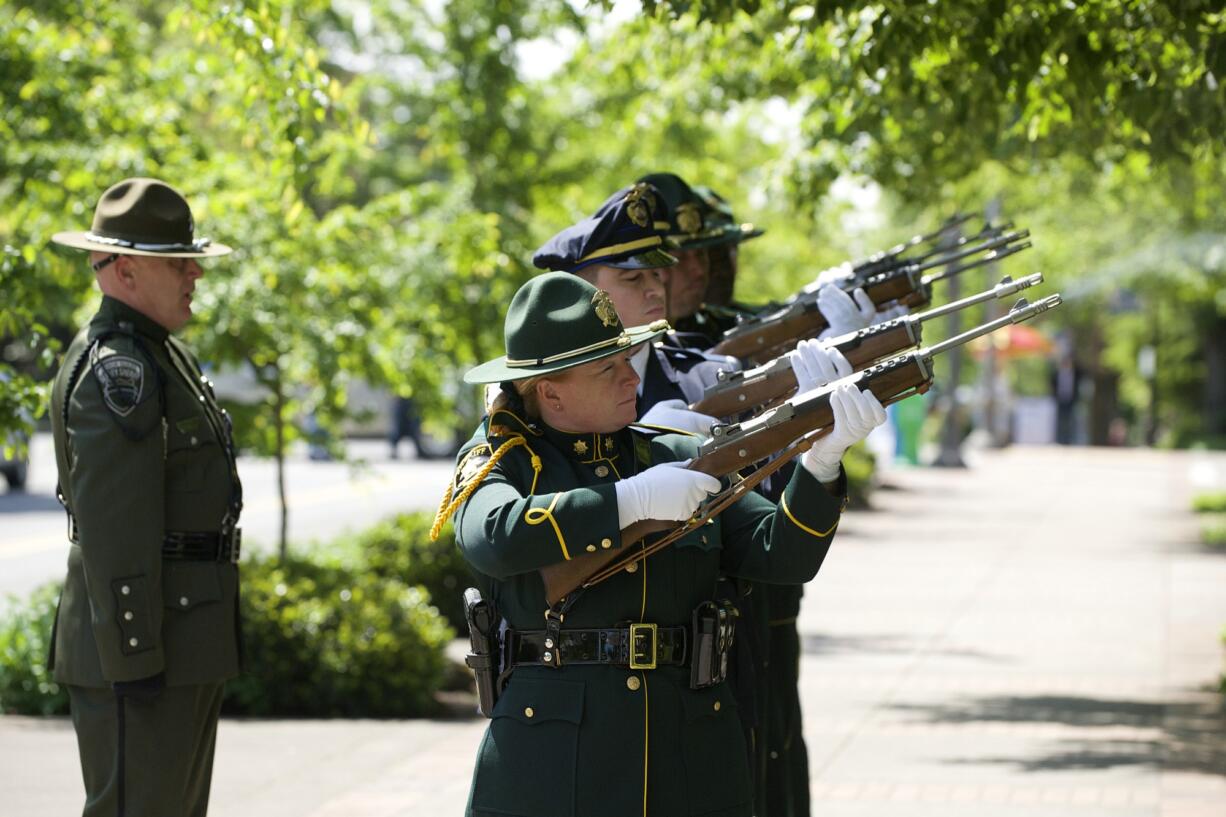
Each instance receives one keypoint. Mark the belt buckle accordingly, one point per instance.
(643, 658)
(235, 541)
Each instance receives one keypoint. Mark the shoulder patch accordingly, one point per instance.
(471, 464)
(122, 381)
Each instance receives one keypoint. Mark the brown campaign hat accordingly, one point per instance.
(142, 217)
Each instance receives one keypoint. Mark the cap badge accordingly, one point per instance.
(688, 218)
(605, 310)
(639, 204)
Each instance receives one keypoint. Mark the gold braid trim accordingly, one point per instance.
(449, 506)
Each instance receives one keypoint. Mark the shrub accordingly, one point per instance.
(1210, 502)
(329, 641)
(400, 548)
(26, 687)
(859, 464)
(1213, 531)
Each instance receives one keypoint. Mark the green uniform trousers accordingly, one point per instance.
(146, 757)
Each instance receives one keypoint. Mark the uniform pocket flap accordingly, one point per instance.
(188, 584)
(538, 700)
(706, 537)
(707, 703)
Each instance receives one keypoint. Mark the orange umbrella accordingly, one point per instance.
(1017, 340)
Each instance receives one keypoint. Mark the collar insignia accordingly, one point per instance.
(580, 447)
(603, 303)
(608, 443)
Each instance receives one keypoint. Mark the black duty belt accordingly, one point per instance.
(636, 646)
(203, 546)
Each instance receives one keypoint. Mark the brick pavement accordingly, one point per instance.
(1034, 636)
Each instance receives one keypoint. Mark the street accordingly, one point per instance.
(325, 499)
(1037, 635)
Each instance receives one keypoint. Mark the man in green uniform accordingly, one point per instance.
(147, 628)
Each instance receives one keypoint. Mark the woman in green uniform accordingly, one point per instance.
(602, 714)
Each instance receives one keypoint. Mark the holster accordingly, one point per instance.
(483, 624)
(713, 628)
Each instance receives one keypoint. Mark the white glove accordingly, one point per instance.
(845, 313)
(890, 313)
(675, 414)
(856, 413)
(667, 491)
(834, 274)
(816, 365)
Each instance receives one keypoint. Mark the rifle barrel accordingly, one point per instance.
(1006, 287)
(987, 246)
(1022, 311)
(991, 258)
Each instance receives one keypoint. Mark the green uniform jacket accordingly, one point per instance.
(145, 450)
(598, 740)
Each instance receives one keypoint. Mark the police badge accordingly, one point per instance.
(121, 379)
(605, 310)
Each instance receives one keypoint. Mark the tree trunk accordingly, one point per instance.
(1215, 378)
(279, 453)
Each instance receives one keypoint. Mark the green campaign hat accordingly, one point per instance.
(558, 321)
(142, 217)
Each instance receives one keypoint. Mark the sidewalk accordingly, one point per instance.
(1034, 636)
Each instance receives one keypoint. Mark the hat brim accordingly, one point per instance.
(652, 259)
(497, 370)
(732, 234)
(81, 241)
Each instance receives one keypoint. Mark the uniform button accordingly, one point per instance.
(633, 683)
(183, 601)
(549, 643)
(704, 539)
(201, 398)
(194, 440)
(528, 713)
(606, 543)
(132, 642)
(632, 567)
(715, 706)
(125, 590)
(591, 548)
(602, 471)
(127, 615)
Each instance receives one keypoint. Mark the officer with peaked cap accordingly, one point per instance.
(603, 710)
(605, 251)
(147, 628)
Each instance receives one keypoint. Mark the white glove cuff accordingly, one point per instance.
(629, 508)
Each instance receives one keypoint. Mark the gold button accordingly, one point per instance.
(125, 590)
(183, 602)
(632, 567)
(127, 615)
(606, 543)
(633, 683)
(602, 471)
(591, 548)
(528, 713)
(194, 441)
(704, 539)
(715, 706)
(133, 642)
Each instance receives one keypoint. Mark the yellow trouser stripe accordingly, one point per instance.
(536, 516)
(783, 504)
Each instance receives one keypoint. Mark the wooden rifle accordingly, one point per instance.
(764, 337)
(783, 432)
(734, 392)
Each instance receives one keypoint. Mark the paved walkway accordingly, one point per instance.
(1035, 636)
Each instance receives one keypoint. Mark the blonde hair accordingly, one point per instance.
(526, 389)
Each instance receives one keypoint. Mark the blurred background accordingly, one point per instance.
(387, 168)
